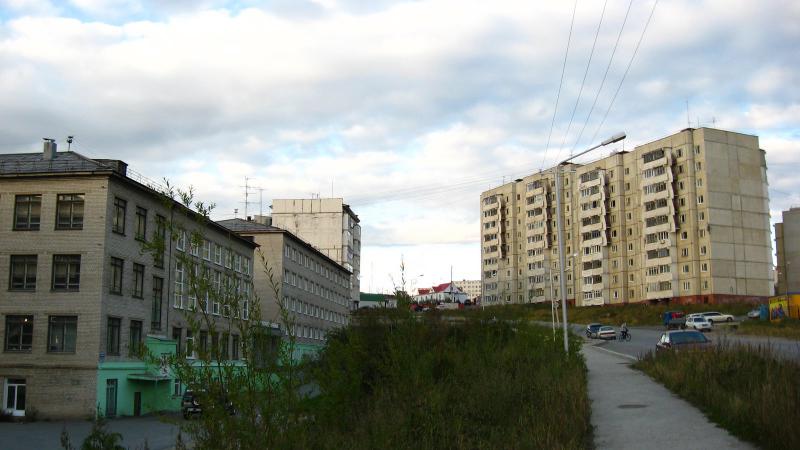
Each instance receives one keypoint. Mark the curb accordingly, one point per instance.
(632, 358)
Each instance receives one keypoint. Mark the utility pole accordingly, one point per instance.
(560, 221)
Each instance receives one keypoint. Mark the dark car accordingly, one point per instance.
(683, 340)
(192, 403)
(592, 329)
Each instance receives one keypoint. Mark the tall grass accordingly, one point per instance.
(399, 381)
(748, 391)
(787, 328)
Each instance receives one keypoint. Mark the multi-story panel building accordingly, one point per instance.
(314, 288)
(329, 225)
(787, 249)
(684, 218)
(470, 287)
(81, 296)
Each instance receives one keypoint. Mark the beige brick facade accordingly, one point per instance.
(684, 218)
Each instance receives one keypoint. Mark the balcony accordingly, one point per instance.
(652, 159)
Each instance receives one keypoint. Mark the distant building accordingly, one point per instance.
(684, 219)
(329, 225)
(470, 287)
(377, 301)
(442, 293)
(314, 289)
(79, 296)
(787, 249)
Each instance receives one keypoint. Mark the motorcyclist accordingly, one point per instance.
(624, 329)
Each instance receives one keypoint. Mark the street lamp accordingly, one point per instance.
(560, 221)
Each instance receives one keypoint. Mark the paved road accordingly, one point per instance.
(160, 434)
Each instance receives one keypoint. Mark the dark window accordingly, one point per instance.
(189, 344)
(235, 346)
(138, 280)
(223, 346)
(27, 212)
(19, 333)
(62, 334)
(158, 297)
(118, 226)
(141, 223)
(69, 212)
(112, 336)
(176, 336)
(22, 275)
(160, 241)
(215, 346)
(135, 344)
(116, 275)
(203, 342)
(66, 272)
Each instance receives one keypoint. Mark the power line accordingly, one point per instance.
(625, 74)
(583, 82)
(603, 81)
(558, 95)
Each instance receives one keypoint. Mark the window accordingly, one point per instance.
(684, 252)
(180, 279)
(112, 336)
(246, 265)
(685, 268)
(62, 334)
(180, 240)
(66, 272)
(703, 250)
(684, 235)
(223, 346)
(217, 254)
(207, 250)
(116, 275)
(699, 182)
(190, 344)
(161, 240)
(27, 212)
(135, 338)
(69, 212)
(19, 333)
(704, 267)
(203, 342)
(158, 298)
(177, 337)
(118, 226)
(138, 280)
(235, 346)
(22, 275)
(687, 285)
(141, 223)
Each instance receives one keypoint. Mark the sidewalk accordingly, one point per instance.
(631, 411)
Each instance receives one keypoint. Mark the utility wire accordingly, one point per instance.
(603, 81)
(558, 95)
(635, 50)
(583, 82)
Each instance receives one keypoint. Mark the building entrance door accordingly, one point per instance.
(111, 398)
(137, 404)
(14, 397)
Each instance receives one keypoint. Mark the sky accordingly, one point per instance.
(408, 110)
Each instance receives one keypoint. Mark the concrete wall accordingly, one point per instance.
(787, 245)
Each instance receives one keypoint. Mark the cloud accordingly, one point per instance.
(409, 109)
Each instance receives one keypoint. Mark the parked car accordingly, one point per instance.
(682, 340)
(754, 313)
(606, 332)
(715, 316)
(592, 329)
(699, 323)
(192, 403)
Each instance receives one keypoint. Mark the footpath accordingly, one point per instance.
(631, 411)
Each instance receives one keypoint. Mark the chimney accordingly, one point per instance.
(49, 149)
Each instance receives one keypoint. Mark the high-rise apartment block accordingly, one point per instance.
(787, 249)
(79, 295)
(684, 219)
(329, 225)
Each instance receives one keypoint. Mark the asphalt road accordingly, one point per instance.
(643, 340)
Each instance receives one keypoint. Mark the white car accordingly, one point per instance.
(699, 323)
(715, 317)
(606, 332)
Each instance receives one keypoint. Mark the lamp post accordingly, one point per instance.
(560, 221)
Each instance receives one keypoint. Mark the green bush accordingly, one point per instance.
(398, 381)
(748, 391)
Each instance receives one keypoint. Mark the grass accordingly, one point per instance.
(396, 380)
(635, 314)
(787, 328)
(747, 391)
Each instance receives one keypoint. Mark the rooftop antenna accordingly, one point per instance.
(235, 212)
(247, 191)
(69, 142)
(261, 202)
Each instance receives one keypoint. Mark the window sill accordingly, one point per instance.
(22, 290)
(25, 229)
(64, 290)
(68, 229)
(53, 352)
(17, 351)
